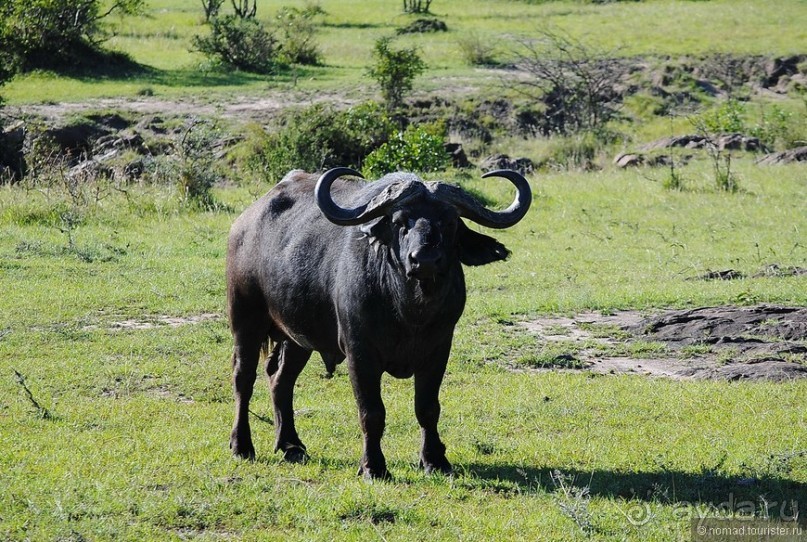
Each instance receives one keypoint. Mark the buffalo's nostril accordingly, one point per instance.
(424, 261)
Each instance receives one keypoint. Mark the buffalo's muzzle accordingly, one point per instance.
(424, 262)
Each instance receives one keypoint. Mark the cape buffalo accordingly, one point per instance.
(370, 272)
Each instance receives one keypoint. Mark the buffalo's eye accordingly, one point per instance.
(401, 220)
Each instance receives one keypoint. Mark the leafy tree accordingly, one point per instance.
(47, 33)
(395, 70)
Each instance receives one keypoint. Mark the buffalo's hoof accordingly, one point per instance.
(242, 450)
(375, 474)
(432, 467)
(295, 454)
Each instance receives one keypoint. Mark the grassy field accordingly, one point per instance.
(130, 440)
(161, 41)
(115, 398)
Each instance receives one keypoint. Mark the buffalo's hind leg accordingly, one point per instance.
(282, 376)
(246, 355)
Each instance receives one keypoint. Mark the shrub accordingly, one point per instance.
(51, 33)
(476, 51)
(195, 165)
(298, 41)
(241, 43)
(422, 26)
(780, 129)
(727, 118)
(394, 71)
(316, 138)
(575, 82)
(419, 149)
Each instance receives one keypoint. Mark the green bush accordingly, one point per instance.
(241, 43)
(298, 34)
(394, 71)
(418, 149)
(780, 129)
(51, 33)
(315, 138)
(477, 50)
(726, 118)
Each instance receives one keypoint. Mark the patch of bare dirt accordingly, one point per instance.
(261, 108)
(724, 343)
(155, 321)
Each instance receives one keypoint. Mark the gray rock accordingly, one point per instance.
(503, 161)
(799, 154)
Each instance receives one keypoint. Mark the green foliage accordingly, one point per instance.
(47, 33)
(477, 50)
(198, 169)
(298, 30)
(726, 118)
(417, 149)
(316, 138)
(240, 43)
(394, 70)
(780, 129)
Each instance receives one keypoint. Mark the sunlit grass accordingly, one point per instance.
(161, 40)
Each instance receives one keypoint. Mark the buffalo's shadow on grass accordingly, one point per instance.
(673, 487)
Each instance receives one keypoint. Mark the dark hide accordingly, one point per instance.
(385, 295)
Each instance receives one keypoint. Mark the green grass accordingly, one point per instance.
(136, 448)
(161, 41)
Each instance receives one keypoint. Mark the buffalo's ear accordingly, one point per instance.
(378, 229)
(477, 249)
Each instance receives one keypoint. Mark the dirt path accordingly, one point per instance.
(259, 107)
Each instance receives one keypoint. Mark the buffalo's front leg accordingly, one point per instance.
(245, 362)
(366, 383)
(427, 410)
(291, 360)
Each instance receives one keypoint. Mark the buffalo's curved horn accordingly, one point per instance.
(332, 211)
(468, 207)
(387, 194)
